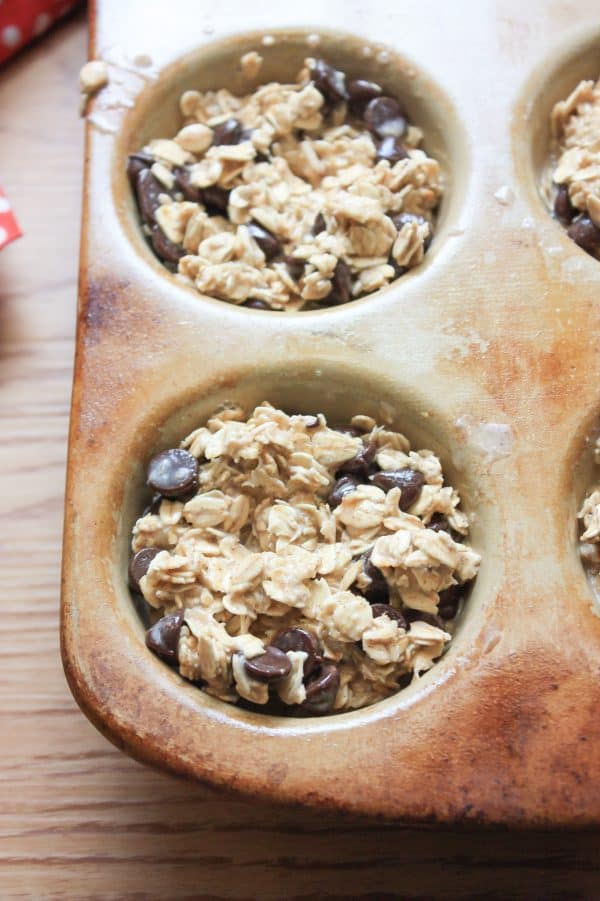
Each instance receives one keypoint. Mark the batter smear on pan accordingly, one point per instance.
(295, 196)
(307, 567)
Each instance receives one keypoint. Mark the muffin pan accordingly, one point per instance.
(487, 354)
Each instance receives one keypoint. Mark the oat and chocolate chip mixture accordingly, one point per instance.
(576, 173)
(589, 533)
(309, 567)
(295, 196)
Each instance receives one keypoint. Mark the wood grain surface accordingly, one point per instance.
(77, 818)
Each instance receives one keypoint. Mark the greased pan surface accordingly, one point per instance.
(487, 354)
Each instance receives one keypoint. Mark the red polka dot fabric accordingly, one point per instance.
(23, 20)
(9, 227)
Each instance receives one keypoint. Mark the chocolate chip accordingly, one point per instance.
(352, 430)
(391, 612)
(410, 482)
(183, 182)
(385, 118)
(148, 189)
(322, 688)
(329, 81)
(295, 267)
(164, 248)
(163, 636)
(173, 472)
(138, 565)
(319, 225)
(228, 132)
(341, 284)
(270, 666)
(136, 162)
(585, 234)
(439, 523)
(359, 464)
(419, 615)
(253, 303)
(563, 208)
(362, 92)
(449, 600)
(391, 149)
(300, 640)
(215, 199)
(342, 487)
(378, 592)
(267, 242)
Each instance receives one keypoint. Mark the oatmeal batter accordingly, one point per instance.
(576, 132)
(310, 567)
(295, 196)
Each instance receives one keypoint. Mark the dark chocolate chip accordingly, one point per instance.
(173, 472)
(342, 487)
(163, 636)
(300, 640)
(359, 464)
(410, 482)
(329, 81)
(388, 610)
(391, 149)
(270, 666)
(362, 92)
(148, 189)
(385, 118)
(322, 688)
(136, 162)
(341, 284)
(228, 132)
(439, 523)
(352, 430)
(139, 563)
(215, 199)
(164, 248)
(449, 600)
(295, 267)
(319, 225)
(378, 592)
(267, 242)
(253, 303)
(419, 615)
(563, 208)
(586, 235)
(183, 182)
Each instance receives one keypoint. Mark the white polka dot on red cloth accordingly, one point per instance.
(42, 22)
(4, 204)
(3, 235)
(11, 36)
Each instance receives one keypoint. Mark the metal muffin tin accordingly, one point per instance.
(487, 354)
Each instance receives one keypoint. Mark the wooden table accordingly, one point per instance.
(77, 818)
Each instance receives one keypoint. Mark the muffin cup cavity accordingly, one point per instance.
(338, 394)
(535, 146)
(156, 114)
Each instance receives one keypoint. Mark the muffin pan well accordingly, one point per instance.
(486, 354)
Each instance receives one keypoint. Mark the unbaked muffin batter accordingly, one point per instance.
(310, 567)
(576, 131)
(294, 196)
